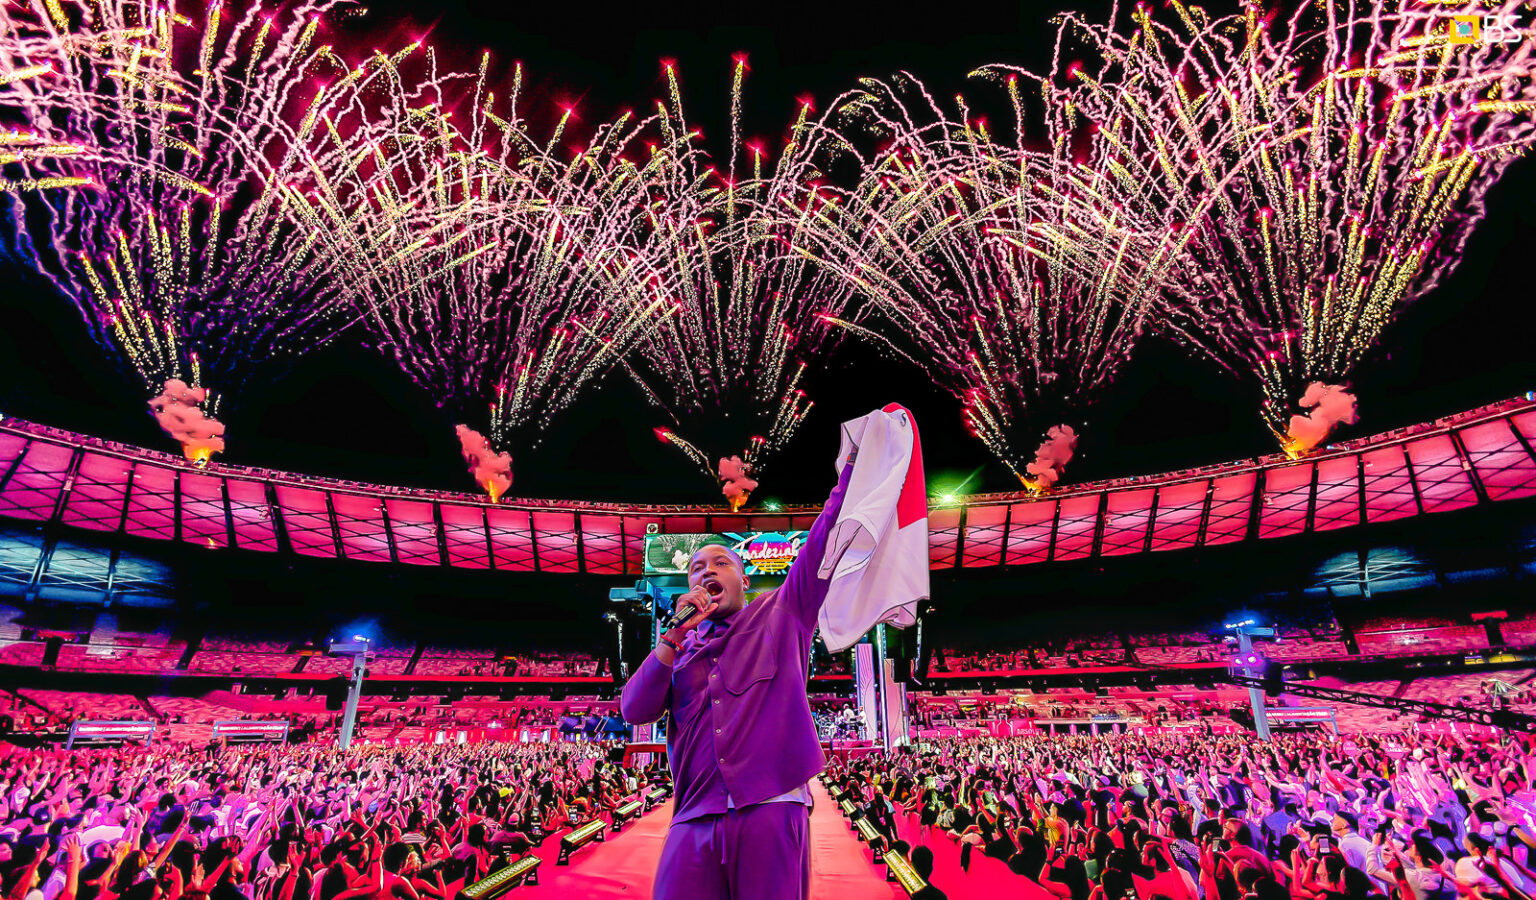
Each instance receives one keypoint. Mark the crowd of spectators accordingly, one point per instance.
(278, 822)
(1142, 814)
(534, 714)
(33, 711)
(1098, 650)
(1324, 641)
(1196, 816)
(1164, 704)
(1413, 640)
(107, 649)
(554, 665)
(418, 719)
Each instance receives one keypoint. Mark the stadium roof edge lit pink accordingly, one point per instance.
(46, 474)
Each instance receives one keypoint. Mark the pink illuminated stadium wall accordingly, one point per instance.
(1481, 456)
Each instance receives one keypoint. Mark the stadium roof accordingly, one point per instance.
(47, 475)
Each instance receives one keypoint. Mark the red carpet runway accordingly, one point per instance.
(626, 863)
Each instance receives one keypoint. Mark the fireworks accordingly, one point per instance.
(1003, 271)
(754, 245)
(502, 280)
(1324, 171)
(165, 221)
(219, 191)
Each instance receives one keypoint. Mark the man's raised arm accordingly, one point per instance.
(801, 587)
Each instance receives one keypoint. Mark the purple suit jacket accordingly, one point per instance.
(741, 723)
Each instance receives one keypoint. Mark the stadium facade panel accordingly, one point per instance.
(47, 475)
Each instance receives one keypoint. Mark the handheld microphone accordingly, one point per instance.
(685, 611)
(681, 614)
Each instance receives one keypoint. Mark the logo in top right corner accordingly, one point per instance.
(1475, 29)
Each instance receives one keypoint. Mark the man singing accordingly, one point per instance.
(742, 744)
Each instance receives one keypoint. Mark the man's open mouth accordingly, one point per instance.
(714, 587)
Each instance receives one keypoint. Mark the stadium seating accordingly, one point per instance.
(71, 705)
(1519, 632)
(1411, 639)
(22, 653)
(115, 658)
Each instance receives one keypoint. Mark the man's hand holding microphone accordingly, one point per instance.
(671, 643)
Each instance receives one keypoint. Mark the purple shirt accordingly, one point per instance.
(742, 731)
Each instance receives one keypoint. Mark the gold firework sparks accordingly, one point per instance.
(1322, 177)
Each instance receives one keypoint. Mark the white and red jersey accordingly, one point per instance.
(877, 554)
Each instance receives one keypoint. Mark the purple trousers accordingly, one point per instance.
(760, 852)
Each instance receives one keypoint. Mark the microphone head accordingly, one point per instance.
(681, 613)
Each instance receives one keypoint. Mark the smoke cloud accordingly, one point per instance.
(1331, 406)
(491, 470)
(737, 481)
(1052, 456)
(179, 412)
